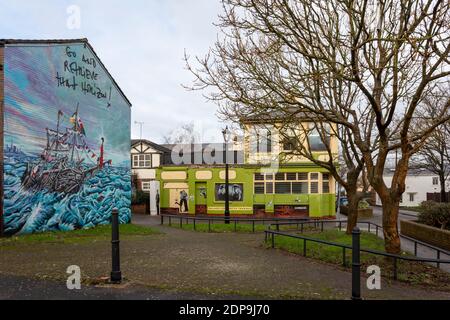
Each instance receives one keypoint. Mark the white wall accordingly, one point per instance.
(420, 185)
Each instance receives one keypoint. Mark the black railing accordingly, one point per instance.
(182, 219)
(371, 228)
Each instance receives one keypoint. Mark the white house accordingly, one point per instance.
(419, 182)
(146, 156)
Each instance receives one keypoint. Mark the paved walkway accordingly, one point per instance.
(200, 264)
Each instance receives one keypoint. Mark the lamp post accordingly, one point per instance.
(141, 124)
(226, 136)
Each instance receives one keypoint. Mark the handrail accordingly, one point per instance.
(221, 218)
(376, 252)
(415, 241)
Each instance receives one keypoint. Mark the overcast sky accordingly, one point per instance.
(142, 44)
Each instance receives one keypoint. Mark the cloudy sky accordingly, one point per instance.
(142, 44)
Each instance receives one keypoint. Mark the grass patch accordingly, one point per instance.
(78, 236)
(410, 272)
(220, 227)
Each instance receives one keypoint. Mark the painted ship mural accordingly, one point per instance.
(66, 162)
(67, 185)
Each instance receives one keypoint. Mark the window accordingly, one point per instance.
(142, 161)
(269, 187)
(259, 177)
(299, 187)
(146, 186)
(291, 176)
(303, 176)
(283, 188)
(259, 187)
(280, 176)
(435, 181)
(325, 183)
(314, 187)
(292, 183)
(261, 141)
(314, 176)
(315, 138)
(411, 197)
(289, 144)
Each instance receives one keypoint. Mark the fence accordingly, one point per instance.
(181, 219)
(370, 227)
(436, 197)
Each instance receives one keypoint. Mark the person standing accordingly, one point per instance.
(157, 200)
(184, 201)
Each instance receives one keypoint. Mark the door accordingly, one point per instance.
(201, 197)
(175, 197)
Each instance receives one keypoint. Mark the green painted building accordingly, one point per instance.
(290, 186)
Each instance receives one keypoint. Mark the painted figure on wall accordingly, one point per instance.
(69, 126)
(236, 192)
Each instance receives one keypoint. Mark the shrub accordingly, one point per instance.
(140, 197)
(435, 214)
(363, 205)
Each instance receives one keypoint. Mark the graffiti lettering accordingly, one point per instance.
(79, 71)
(67, 83)
(70, 54)
(93, 89)
(82, 68)
(89, 61)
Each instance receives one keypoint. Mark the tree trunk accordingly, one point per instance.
(352, 211)
(390, 223)
(443, 191)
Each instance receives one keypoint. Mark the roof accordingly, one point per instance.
(411, 172)
(84, 41)
(151, 144)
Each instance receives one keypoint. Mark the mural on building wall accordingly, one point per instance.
(235, 190)
(67, 141)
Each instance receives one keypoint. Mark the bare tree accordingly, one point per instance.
(363, 65)
(435, 153)
(183, 134)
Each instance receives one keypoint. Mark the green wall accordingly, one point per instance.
(320, 205)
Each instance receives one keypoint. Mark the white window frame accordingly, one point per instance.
(142, 163)
(146, 183)
(435, 181)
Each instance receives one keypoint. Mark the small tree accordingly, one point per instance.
(435, 153)
(183, 134)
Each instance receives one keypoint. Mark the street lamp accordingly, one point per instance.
(226, 137)
(141, 124)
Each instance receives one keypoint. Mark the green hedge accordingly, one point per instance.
(435, 214)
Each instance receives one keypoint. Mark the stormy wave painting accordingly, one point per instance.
(66, 141)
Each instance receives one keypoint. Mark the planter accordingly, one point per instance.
(431, 235)
(140, 209)
(362, 213)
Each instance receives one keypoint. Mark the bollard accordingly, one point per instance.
(116, 274)
(356, 265)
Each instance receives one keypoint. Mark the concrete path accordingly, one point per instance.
(199, 264)
(22, 288)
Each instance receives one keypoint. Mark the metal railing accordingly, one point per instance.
(370, 228)
(182, 219)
